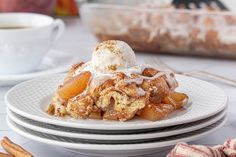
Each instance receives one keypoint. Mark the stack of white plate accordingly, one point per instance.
(27, 103)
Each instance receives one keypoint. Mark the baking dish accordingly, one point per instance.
(151, 28)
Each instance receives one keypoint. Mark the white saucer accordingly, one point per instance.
(114, 149)
(55, 61)
(113, 138)
(31, 98)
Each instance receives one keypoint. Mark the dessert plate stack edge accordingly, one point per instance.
(27, 102)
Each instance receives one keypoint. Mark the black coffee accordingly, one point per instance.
(13, 27)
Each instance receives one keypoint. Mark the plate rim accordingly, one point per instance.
(115, 137)
(107, 126)
(116, 147)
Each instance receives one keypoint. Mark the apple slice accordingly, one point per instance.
(154, 112)
(178, 100)
(74, 86)
(95, 115)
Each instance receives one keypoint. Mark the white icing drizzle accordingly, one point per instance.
(140, 91)
(134, 80)
(99, 78)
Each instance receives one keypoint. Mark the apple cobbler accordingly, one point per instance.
(113, 87)
(162, 28)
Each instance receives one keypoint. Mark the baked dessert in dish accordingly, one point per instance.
(112, 86)
(162, 28)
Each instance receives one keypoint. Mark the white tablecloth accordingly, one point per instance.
(79, 42)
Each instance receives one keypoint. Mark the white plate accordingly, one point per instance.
(113, 138)
(54, 62)
(30, 99)
(114, 149)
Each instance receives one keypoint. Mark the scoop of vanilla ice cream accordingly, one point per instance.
(112, 55)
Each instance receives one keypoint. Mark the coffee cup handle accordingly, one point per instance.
(58, 29)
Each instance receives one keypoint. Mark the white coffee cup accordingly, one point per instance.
(23, 48)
